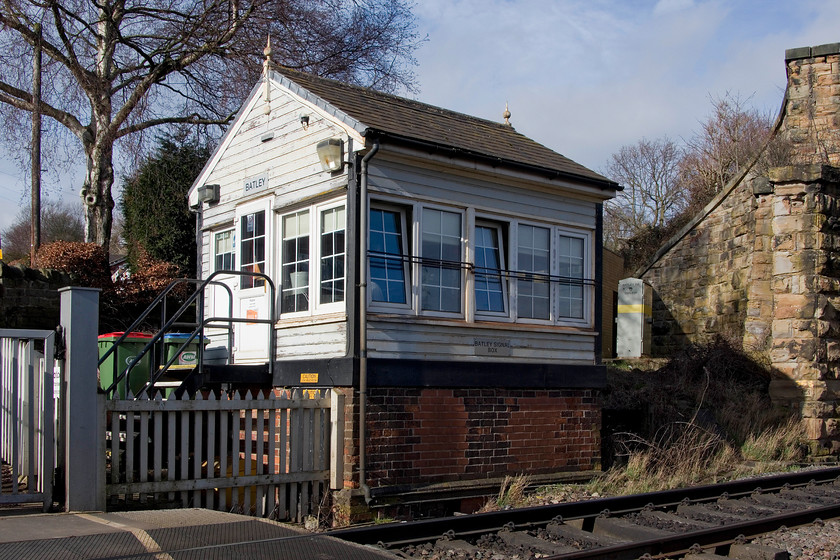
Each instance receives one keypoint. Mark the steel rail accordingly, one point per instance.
(400, 534)
(705, 538)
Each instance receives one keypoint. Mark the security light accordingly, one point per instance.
(331, 153)
(208, 193)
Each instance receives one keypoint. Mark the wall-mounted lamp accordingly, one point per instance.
(304, 121)
(331, 154)
(208, 193)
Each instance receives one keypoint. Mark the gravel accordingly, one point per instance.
(819, 541)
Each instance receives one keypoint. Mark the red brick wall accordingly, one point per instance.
(422, 436)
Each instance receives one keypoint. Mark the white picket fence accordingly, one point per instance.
(27, 416)
(275, 455)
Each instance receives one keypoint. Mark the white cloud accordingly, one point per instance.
(586, 77)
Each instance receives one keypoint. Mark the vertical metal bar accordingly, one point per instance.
(48, 419)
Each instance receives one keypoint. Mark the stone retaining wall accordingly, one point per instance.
(761, 263)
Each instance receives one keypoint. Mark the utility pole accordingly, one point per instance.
(35, 216)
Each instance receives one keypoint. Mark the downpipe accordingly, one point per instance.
(363, 271)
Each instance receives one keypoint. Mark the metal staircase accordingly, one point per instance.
(165, 374)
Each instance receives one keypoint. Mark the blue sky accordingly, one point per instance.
(585, 77)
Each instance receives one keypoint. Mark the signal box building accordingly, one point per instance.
(438, 269)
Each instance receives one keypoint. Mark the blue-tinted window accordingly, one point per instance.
(388, 268)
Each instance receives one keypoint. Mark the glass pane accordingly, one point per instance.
(387, 275)
(533, 257)
(441, 241)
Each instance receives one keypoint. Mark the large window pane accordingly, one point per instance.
(440, 286)
(534, 296)
(294, 294)
(332, 255)
(571, 259)
(252, 248)
(388, 269)
(489, 291)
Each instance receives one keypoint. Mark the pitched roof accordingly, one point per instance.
(400, 119)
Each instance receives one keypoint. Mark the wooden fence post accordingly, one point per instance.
(336, 440)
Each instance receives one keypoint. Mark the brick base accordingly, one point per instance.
(421, 436)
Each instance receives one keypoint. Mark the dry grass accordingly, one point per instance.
(511, 494)
(709, 418)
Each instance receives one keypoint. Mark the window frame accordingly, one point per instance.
(232, 252)
(411, 215)
(417, 282)
(515, 227)
(282, 261)
(405, 214)
(258, 283)
(586, 272)
(504, 245)
(316, 250)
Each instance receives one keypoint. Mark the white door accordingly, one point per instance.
(252, 295)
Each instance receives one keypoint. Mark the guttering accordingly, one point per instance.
(363, 276)
(433, 147)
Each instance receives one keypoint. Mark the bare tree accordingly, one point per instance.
(728, 140)
(117, 68)
(59, 222)
(649, 173)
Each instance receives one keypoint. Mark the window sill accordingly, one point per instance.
(483, 324)
(315, 319)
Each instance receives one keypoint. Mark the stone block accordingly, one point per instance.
(814, 428)
(794, 306)
(782, 329)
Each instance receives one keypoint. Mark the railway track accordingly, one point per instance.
(696, 522)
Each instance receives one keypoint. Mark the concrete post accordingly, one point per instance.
(84, 424)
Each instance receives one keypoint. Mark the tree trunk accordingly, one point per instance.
(96, 194)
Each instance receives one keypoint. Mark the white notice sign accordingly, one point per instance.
(491, 347)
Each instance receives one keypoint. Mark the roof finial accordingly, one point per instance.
(266, 68)
(506, 114)
(267, 53)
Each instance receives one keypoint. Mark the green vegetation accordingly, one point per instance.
(702, 417)
(157, 221)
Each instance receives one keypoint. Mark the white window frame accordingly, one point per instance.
(411, 215)
(504, 247)
(417, 286)
(587, 273)
(282, 260)
(403, 212)
(518, 267)
(315, 249)
(232, 252)
(263, 205)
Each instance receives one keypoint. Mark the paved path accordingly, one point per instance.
(166, 535)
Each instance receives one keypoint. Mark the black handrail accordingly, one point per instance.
(201, 323)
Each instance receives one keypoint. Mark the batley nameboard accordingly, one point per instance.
(255, 183)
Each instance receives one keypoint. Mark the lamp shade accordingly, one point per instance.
(331, 153)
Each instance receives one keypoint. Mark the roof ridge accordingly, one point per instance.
(390, 96)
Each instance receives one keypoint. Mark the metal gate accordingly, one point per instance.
(27, 416)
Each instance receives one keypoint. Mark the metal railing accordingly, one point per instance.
(154, 347)
(27, 416)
